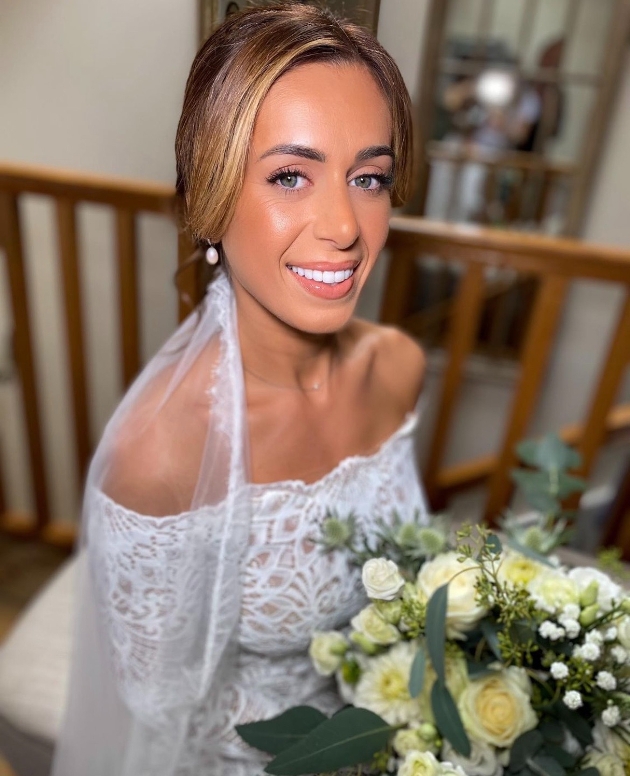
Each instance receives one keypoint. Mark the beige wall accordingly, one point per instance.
(98, 86)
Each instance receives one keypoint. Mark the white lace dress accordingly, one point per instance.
(291, 588)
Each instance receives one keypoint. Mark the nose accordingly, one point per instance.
(336, 220)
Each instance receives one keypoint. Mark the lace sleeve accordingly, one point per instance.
(151, 588)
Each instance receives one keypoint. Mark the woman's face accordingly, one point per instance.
(314, 209)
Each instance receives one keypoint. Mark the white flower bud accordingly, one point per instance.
(559, 670)
(611, 716)
(573, 699)
(381, 579)
(606, 680)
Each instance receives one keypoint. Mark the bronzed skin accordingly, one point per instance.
(301, 211)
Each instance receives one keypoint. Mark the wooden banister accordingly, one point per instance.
(467, 307)
(66, 190)
(128, 288)
(552, 263)
(11, 241)
(69, 255)
(538, 345)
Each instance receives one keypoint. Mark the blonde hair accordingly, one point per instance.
(228, 81)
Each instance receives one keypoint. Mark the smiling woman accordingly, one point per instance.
(200, 585)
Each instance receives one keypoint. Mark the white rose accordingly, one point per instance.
(610, 742)
(482, 761)
(381, 579)
(606, 764)
(449, 769)
(462, 611)
(496, 709)
(419, 764)
(553, 591)
(623, 632)
(326, 651)
(609, 592)
(416, 739)
(370, 623)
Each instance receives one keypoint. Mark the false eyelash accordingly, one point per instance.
(275, 177)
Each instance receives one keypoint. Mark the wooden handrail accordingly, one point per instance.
(87, 187)
(518, 160)
(127, 198)
(554, 262)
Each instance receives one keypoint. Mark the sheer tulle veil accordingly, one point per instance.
(140, 669)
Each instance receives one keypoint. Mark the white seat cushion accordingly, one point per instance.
(35, 659)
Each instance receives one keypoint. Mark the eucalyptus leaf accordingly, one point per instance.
(416, 677)
(351, 737)
(528, 552)
(578, 726)
(277, 734)
(554, 455)
(565, 759)
(491, 635)
(447, 718)
(436, 630)
(553, 730)
(546, 766)
(524, 747)
(493, 543)
(568, 484)
(588, 772)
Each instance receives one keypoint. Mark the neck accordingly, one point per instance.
(275, 353)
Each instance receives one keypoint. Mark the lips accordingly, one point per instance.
(323, 280)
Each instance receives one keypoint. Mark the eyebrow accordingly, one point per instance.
(305, 152)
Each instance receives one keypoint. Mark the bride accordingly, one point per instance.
(200, 585)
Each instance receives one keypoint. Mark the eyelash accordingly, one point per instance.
(385, 181)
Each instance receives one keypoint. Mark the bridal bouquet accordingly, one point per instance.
(470, 660)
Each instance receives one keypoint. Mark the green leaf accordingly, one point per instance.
(529, 553)
(524, 747)
(277, 734)
(549, 453)
(477, 670)
(436, 630)
(493, 543)
(559, 754)
(351, 737)
(546, 766)
(578, 726)
(491, 635)
(588, 772)
(416, 677)
(552, 730)
(536, 487)
(568, 484)
(447, 718)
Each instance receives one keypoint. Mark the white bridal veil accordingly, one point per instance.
(159, 586)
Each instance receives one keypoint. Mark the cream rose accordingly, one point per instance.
(518, 570)
(370, 623)
(381, 579)
(482, 761)
(610, 742)
(419, 764)
(606, 764)
(553, 590)
(496, 709)
(326, 651)
(462, 612)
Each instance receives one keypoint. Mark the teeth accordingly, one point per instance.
(329, 277)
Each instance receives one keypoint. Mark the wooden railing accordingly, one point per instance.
(67, 190)
(555, 263)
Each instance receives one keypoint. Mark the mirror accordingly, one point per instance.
(515, 98)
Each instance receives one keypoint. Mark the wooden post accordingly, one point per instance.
(11, 240)
(128, 288)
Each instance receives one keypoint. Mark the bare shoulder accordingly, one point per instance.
(396, 360)
(152, 457)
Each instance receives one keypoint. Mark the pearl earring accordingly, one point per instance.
(212, 255)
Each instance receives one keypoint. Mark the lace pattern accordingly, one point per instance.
(151, 592)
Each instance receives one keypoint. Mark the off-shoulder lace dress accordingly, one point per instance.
(291, 588)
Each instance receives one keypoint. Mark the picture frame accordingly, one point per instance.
(213, 12)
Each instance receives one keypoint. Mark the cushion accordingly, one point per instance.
(35, 659)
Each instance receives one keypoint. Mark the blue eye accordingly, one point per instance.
(288, 180)
(365, 181)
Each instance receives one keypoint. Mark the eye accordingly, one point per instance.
(288, 179)
(372, 182)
